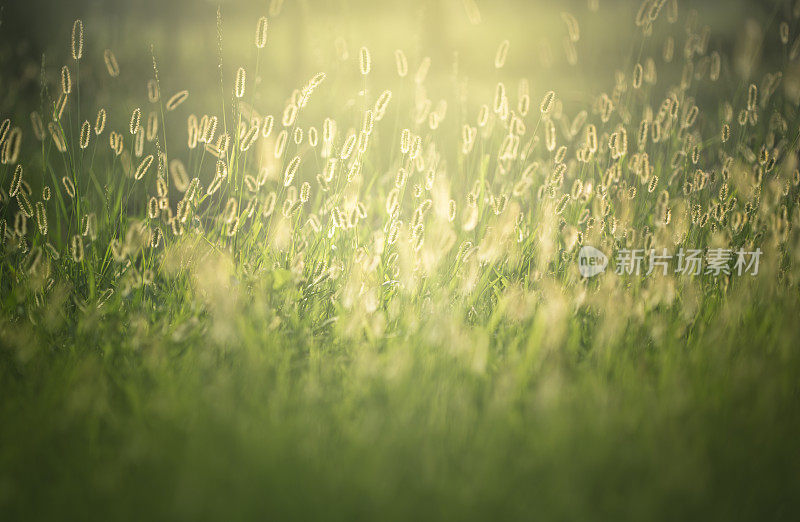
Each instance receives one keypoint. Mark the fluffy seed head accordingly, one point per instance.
(364, 61)
(261, 32)
(637, 76)
(176, 100)
(58, 137)
(76, 248)
(136, 120)
(111, 63)
(20, 224)
(266, 127)
(153, 93)
(402, 63)
(77, 40)
(144, 166)
(86, 132)
(291, 170)
(41, 218)
(500, 56)
(69, 187)
(289, 115)
(16, 182)
(573, 29)
(66, 80)
(752, 97)
(348, 147)
(405, 141)
(240, 81)
(100, 122)
(547, 102)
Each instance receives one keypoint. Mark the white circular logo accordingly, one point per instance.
(591, 261)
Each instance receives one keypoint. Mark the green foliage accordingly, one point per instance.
(366, 303)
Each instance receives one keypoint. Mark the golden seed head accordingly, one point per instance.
(136, 120)
(261, 32)
(291, 170)
(402, 63)
(500, 56)
(176, 100)
(77, 40)
(100, 122)
(364, 61)
(86, 132)
(240, 81)
(66, 80)
(547, 102)
(111, 63)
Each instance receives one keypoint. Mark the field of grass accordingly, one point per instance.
(341, 279)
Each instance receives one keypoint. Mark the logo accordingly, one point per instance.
(591, 261)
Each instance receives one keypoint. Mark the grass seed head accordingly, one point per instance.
(111, 63)
(77, 40)
(261, 32)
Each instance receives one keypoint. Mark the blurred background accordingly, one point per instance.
(308, 36)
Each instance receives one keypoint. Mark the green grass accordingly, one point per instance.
(281, 371)
(703, 427)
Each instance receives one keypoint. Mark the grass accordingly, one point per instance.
(305, 363)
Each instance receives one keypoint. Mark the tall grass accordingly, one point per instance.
(368, 304)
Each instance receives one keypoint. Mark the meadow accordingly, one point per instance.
(289, 270)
